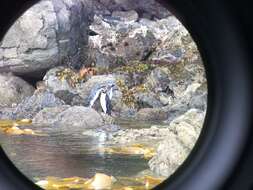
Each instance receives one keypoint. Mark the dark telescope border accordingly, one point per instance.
(220, 158)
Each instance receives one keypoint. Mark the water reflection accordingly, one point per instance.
(67, 154)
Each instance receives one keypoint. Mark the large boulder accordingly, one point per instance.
(50, 33)
(78, 118)
(179, 141)
(48, 116)
(13, 90)
(29, 107)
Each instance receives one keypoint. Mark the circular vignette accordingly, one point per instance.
(227, 122)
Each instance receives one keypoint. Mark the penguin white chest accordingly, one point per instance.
(103, 102)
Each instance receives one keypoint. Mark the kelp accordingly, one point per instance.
(73, 77)
(136, 149)
(11, 127)
(100, 181)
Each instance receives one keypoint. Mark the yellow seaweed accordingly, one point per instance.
(99, 182)
(11, 127)
(136, 149)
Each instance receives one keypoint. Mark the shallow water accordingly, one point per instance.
(63, 154)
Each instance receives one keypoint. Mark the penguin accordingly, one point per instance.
(95, 97)
(105, 102)
(105, 94)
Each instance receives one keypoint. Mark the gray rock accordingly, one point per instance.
(78, 118)
(172, 152)
(7, 114)
(107, 119)
(151, 114)
(148, 100)
(48, 116)
(137, 45)
(126, 16)
(48, 34)
(164, 56)
(145, 8)
(194, 96)
(123, 111)
(70, 98)
(13, 90)
(117, 43)
(29, 107)
(53, 82)
(158, 80)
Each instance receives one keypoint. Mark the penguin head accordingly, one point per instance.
(104, 89)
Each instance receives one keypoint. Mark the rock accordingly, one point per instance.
(147, 100)
(48, 116)
(64, 82)
(70, 98)
(106, 34)
(78, 118)
(158, 80)
(145, 8)
(150, 135)
(168, 29)
(172, 152)
(54, 83)
(126, 16)
(151, 114)
(7, 114)
(13, 90)
(102, 60)
(117, 43)
(124, 111)
(163, 57)
(137, 45)
(110, 128)
(193, 97)
(107, 118)
(188, 126)
(48, 34)
(29, 107)
(199, 98)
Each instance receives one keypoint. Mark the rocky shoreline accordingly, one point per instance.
(146, 53)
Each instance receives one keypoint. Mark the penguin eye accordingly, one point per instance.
(75, 122)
